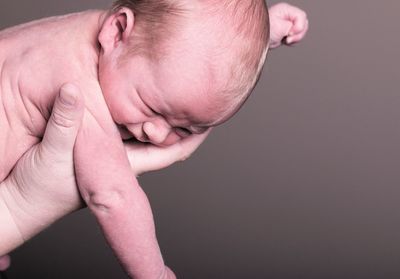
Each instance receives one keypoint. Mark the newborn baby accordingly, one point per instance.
(156, 71)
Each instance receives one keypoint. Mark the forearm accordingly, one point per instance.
(10, 235)
(21, 218)
(41, 188)
(127, 223)
(111, 191)
(121, 208)
(24, 215)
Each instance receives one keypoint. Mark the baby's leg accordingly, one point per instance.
(114, 196)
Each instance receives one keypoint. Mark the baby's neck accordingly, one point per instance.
(37, 58)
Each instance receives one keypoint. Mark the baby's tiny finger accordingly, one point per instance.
(294, 39)
(297, 37)
(299, 24)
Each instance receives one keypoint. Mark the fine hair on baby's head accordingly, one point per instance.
(239, 32)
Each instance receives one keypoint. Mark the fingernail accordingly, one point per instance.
(67, 95)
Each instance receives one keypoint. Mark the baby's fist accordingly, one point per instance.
(287, 23)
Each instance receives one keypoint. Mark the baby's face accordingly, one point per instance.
(161, 102)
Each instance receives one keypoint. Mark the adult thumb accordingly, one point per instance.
(65, 120)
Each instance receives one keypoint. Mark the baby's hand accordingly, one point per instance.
(288, 24)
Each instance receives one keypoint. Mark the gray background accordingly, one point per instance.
(302, 183)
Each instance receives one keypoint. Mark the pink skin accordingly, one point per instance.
(106, 181)
(161, 102)
(160, 110)
(103, 172)
(34, 186)
(27, 95)
(155, 105)
(287, 22)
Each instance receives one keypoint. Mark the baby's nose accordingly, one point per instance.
(156, 132)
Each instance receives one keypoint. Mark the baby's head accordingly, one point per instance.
(170, 68)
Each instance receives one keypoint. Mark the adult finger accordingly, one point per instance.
(145, 157)
(65, 121)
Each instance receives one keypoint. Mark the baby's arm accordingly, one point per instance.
(112, 193)
(289, 24)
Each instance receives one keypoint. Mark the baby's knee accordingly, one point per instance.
(106, 200)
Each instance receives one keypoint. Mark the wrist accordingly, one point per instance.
(11, 236)
(27, 214)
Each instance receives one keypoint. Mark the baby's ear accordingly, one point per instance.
(116, 29)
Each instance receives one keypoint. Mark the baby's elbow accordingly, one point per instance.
(106, 201)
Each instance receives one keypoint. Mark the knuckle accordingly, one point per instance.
(106, 200)
(62, 120)
(185, 156)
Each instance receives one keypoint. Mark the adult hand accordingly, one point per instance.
(41, 187)
(288, 24)
(145, 157)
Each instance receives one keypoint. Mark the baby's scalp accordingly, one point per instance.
(241, 29)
